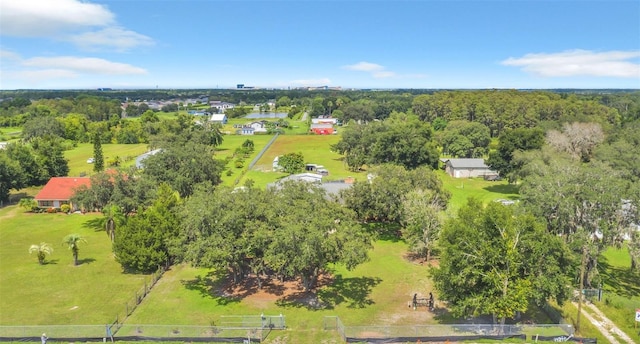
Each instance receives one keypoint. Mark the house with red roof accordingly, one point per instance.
(59, 191)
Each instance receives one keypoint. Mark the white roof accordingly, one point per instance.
(218, 117)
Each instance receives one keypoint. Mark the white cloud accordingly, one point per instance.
(88, 26)
(365, 67)
(111, 37)
(311, 82)
(85, 65)
(579, 63)
(377, 71)
(8, 55)
(44, 18)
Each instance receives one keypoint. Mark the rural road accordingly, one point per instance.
(604, 325)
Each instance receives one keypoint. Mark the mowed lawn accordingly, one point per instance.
(316, 149)
(376, 292)
(78, 156)
(59, 293)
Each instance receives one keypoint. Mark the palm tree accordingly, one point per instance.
(112, 217)
(72, 241)
(41, 250)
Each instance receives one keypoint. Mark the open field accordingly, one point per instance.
(78, 156)
(10, 133)
(373, 293)
(58, 292)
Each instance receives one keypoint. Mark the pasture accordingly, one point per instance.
(78, 156)
(59, 292)
(376, 292)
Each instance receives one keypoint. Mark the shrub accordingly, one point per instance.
(52, 210)
(239, 163)
(65, 208)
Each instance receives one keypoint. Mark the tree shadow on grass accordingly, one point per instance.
(86, 261)
(384, 231)
(50, 261)
(353, 291)
(506, 189)
(96, 224)
(622, 280)
(211, 286)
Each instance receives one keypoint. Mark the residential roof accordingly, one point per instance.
(218, 117)
(61, 188)
(321, 126)
(141, 157)
(467, 163)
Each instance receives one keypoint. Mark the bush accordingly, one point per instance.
(229, 173)
(52, 210)
(239, 163)
(65, 208)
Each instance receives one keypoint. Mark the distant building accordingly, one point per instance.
(322, 128)
(219, 118)
(468, 168)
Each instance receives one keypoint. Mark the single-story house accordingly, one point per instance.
(246, 131)
(332, 121)
(220, 105)
(322, 128)
(468, 168)
(141, 157)
(219, 118)
(331, 187)
(59, 191)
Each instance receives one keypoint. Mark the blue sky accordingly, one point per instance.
(65, 44)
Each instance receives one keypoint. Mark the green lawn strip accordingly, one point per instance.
(463, 188)
(621, 290)
(58, 292)
(78, 156)
(228, 147)
(314, 148)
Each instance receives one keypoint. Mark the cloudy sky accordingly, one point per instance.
(65, 44)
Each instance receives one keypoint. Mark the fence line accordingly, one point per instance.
(407, 332)
(255, 160)
(131, 305)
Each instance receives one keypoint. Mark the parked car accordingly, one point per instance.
(90, 161)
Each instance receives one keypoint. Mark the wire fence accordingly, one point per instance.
(133, 303)
(378, 333)
(231, 328)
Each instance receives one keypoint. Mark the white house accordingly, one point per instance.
(468, 168)
(219, 118)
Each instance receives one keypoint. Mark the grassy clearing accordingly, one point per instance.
(621, 295)
(58, 292)
(229, 144)
(10, 133)
(375, 292)
(316, 149)
(463, 188)
(78, 156)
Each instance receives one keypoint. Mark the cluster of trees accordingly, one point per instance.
(31, 164)
(401, 139)
(43, 249)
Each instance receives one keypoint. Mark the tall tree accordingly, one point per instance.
(583, 203)
(421, 221)
(509, 142)
(142, 243)
(381, 198)
(98, 158)
(493, 259)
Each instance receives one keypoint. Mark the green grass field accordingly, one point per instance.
(78, 156)
(621, 295)
(58, 292)
(376, 292)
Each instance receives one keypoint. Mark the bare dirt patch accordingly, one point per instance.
(290, 291)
